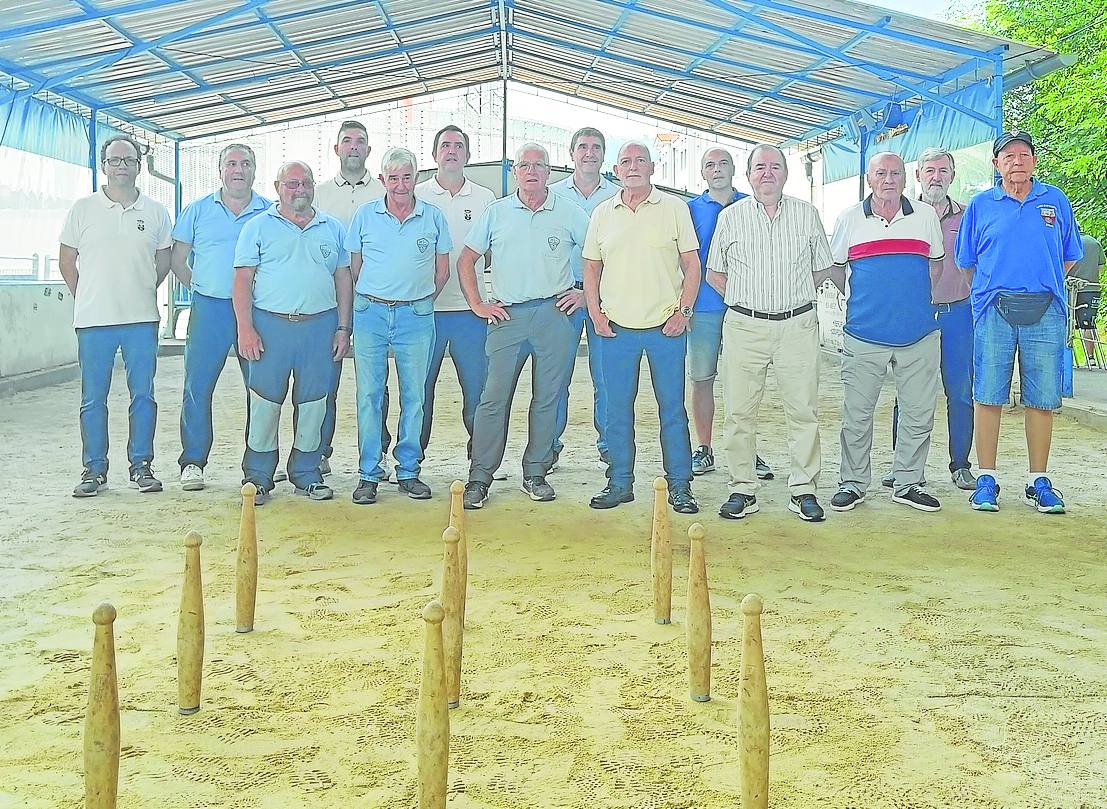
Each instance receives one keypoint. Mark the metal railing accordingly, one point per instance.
(1087, 327)
(29, 268)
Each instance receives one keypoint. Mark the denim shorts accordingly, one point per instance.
(705, 338)
(1040, 348)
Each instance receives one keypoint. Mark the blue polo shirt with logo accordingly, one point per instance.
(705, 216)
(212, 230)
(1017, 246)
(398, 257)
(294, 267)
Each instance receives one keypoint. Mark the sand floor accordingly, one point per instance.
(914, 660)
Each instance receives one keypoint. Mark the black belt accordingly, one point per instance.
(296, 317)
(384, 301)
(807, 307)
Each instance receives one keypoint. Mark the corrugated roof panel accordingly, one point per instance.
(346, 20)
(157, 22)
(87, 39)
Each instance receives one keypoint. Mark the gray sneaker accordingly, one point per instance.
(316, 491)
(964, 479)
(324, 467)
(142, 478)
(703, 460)
(889, 481)
(366, 493)
(764, 471)
(262, 496)
(538, 489)
(415, 489)
(475, 496)
(91, 484)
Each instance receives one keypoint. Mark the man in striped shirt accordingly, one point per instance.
(765, 255)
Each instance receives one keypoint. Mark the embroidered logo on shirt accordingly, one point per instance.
(326, 250)
(1049, 214)
(141, 224)
(468, 215)
(423, 244)
(553, 242)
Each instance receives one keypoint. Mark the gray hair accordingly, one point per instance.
(935, 153)
(761, 147)
(236, 147)
(587, 132)
(639, 144)
(532, 147)
(396, 157)
(703, 157)
(286, 166)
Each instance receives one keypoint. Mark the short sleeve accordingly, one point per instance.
(820, 246)
(579, 225)
(445, 242)
(965, 245)
(686, 240)
(935, 237)
(165, 234)
(1073, 247)
(71, 228)
(592, 251)
(341, 236)
(716, 253)
(839, 240)
(351, 238)
(185, 228)
(480, 235)
(247, 252)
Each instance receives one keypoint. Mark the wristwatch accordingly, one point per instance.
(686, 311)
(340, 327)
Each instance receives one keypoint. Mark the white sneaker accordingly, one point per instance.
(192, 478)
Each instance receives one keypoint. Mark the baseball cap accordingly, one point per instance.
(1011, 137)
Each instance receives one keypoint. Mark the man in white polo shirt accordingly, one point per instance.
(340, 197)
(455, 325)
(114, 254)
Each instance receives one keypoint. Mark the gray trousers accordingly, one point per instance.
(915, 369)
(541, 329)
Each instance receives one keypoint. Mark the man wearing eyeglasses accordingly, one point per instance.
(207, 231)
(114, 254)
(292, 301)
(531, 234)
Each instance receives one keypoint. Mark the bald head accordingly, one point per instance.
(886, 176)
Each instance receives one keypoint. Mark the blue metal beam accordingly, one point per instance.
(261, 78)
(289, 47)
(610, 34)
(392, 27)
(730, 87)
(61, 79)
(76, 19)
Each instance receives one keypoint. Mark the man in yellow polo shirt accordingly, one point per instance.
(641, 277)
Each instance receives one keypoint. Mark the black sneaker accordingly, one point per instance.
(91, 484)
(807, 507)
(538, 489)
(611, 497)
(475, 496)
(917, 498)
(738, 506)
(366, 493)
(846, 499)
(703, 460)
(415, 489)
(764, 471)
(889, 481)
(682, 500)
(142, 478)
(316, 491)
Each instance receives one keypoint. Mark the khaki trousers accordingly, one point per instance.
(791, 347)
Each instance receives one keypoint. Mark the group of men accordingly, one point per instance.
(356, 266)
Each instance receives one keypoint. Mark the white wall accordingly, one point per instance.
(36, 328)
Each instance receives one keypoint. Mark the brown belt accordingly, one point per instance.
(296, 317)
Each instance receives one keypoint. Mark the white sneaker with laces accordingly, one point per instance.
(192, 478)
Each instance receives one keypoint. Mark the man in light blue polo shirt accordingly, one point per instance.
(207, 231)
(1018, 240)
(532, 235)
(292, 299)
(400, 259)
(587, 187)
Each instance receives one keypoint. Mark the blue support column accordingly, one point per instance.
(93, 157)
(503, 147)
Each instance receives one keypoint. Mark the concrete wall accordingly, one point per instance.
(36, 328)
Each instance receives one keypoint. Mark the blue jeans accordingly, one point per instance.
(1041, 349)
(407, 329)
(464, 333)
(212, 331)
(303, 351)
(580, 321)
(622, 360)
(330, 418)
(955, 327)
(96, 347)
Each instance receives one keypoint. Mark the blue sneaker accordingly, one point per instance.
(986, 496)
(1044, 497)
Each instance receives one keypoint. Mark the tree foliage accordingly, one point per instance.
(1066, 111)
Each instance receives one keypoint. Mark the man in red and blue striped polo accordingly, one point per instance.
(893, 250)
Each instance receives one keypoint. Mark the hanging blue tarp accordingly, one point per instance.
(927, 125)
(34, 126)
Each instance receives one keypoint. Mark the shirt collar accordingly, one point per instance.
(108, 202)
(319, 218)
(1035, 189)
(652, 199)
(706, 198)
(605, 184)
(905, 206)
(953, 207)
(436, 187)
(257, 202)
(380, 206)
(340, 181)
(548, 205)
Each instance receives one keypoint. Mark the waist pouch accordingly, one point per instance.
(1023, 308)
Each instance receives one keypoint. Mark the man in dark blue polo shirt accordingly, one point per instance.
(1019, 239)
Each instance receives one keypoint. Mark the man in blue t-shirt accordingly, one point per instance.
(894, 250)
(705, 336)
(1018, 239)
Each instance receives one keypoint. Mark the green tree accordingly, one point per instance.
(1066, 111)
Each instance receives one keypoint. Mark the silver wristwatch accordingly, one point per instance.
(686, 311)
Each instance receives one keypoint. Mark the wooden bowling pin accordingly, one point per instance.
(753, 711)
(698, 618)
(190, 630)
(246, 581)
(432, 723)
(457, 520)
(452, 629)
(661, 562)
(102, 719)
